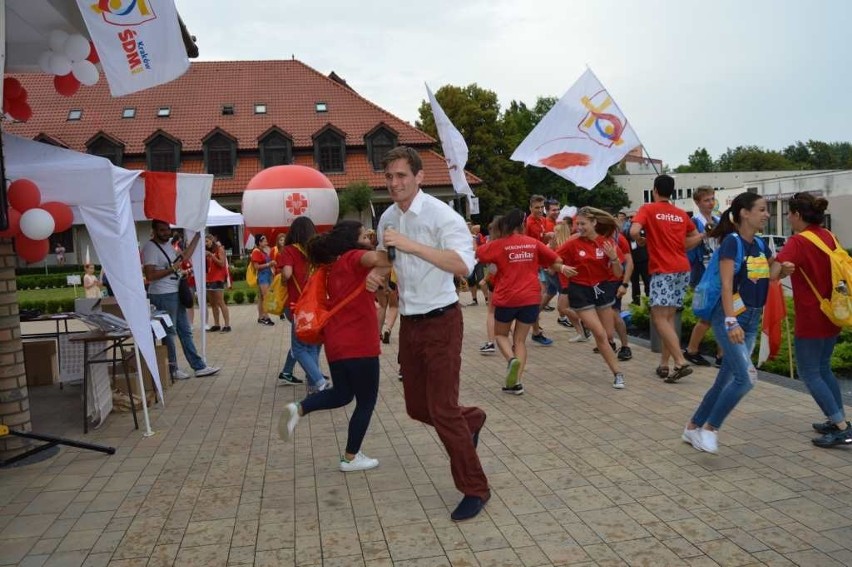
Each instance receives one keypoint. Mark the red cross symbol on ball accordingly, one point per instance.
(296, 203)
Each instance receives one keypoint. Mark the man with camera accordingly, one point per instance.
(705, 200)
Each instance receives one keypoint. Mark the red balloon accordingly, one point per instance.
(12, 88)
(93, 57)
(23, 195)
(31, 250)
(62, 215)
(14, 224)
(66, 85)
(18, 109)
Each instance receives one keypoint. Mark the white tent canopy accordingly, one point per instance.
(218, 215)
(102, 195)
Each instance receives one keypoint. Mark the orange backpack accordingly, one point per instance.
(311, 312)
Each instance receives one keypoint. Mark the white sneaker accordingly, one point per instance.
(181, 375)
(710, 440)
(361, 462)
(207, 371)
(287, 422)
(618, 381)
(693, 437)
(326, 385)
(580, 338)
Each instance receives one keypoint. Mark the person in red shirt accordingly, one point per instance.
(517, 294)
(815, 334)
(538, 228)
(623, 282)
(216, 276)
(669, 233)
(591, 293)
(351, 343)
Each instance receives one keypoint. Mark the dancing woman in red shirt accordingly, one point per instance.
(591, 291)
(517, 292)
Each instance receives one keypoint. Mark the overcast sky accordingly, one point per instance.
(686, 73)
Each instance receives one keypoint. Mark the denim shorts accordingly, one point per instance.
(668, 290)
(215, 286)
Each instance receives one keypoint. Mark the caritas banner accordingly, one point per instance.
(138, 41)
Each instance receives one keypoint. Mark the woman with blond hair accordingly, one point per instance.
(567, 316)
(591, 290)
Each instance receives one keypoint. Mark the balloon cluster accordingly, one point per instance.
(31, 222)
(72, 59)
(15, 100)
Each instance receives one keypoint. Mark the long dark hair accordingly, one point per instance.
(810, 208)
(301, 231)
(730, 219)
(511, 222)
(326, 248)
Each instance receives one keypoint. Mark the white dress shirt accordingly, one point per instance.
(423, 286)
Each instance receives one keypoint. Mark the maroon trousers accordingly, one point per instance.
(430, 360)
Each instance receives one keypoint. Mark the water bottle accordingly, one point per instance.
(840, 303)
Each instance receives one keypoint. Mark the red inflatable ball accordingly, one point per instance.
(278, 195)
(31, 251)
(19, 109)
(66, 85)
(12, 88)
(23, 195)
(14, 224)
(62, 215)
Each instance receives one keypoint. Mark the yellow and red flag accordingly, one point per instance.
(774, 313)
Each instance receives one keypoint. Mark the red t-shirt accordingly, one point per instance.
(517, 258)
(811, 323)
(215, 272)
(351, 333)
(623, 250)
(292, 256)
(666, 227)
(535, 227)
(588, 258)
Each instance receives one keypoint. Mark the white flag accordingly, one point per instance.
(139, 43)
(582, 135)
(454, 146)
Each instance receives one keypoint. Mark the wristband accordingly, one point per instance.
(730, 328)
(731, 322)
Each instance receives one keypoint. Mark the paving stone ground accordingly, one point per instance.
(581, 474)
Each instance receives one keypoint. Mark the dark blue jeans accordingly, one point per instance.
(813, 360)
(737, 375)
(356, 378)
(169, 303)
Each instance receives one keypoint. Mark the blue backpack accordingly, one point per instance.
(708, 293)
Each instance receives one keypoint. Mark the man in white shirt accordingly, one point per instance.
(429, 243)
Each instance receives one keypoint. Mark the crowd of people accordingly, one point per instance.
(409, 268)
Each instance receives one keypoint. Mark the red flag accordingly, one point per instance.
(774, 312)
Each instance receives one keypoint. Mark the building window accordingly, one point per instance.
(220, 154)
(163, 154)
(228, 110)
(329, 152)
(378, 144)
(164, 112)
(75, 114)
(128, 113)
(275, 149)
(105, 148)
(322, 107)
(260, 109)
(647, 196)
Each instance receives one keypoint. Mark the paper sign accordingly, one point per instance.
(158, 329)
(73, 280)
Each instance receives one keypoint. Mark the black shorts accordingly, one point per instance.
(601, 296)
(215, 286)
(527, 314)
(476, 275)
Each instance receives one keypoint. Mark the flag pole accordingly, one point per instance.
(789, 343)
(651, 161)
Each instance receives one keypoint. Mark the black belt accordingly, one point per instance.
(434, 313)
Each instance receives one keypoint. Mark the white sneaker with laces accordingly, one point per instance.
(693, 437)
(361, 462)
(710, 440)
(287, 422)
(207, 371)
(618, 381)
(579, 338)
(326, 385)
(181, 375)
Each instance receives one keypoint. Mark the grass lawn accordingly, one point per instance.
(66, 293)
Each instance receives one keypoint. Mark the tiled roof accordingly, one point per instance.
(289, 89)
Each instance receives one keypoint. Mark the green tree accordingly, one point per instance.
(753, 158)
(699, 162)
(798, 154)
(357, 196)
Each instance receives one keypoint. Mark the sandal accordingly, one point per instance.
(663, 371)
(679, 372)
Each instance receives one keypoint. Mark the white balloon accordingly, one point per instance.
(76, 47)
(56, 40)
(59, 64)
(37, 224)
(85, 72)
(44, 62)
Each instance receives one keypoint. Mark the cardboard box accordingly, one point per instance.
(120, 383)
(40, 363)
(110, 305)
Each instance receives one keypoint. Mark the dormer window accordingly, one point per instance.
(106, 148)
(330, 152)
(162, 153)
(380, 142)
(275, 149)
(220, 155)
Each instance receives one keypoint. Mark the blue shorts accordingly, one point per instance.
(527, 314)
(668, 290)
